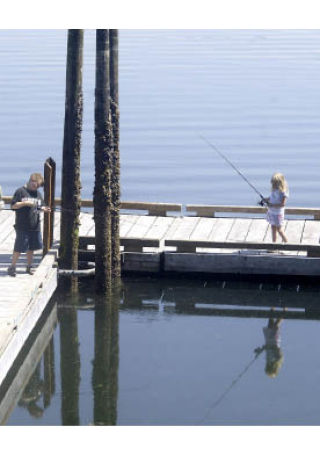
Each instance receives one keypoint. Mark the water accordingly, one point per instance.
(255, 94)
(169, 357)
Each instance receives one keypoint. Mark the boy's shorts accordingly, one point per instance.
(27, 240)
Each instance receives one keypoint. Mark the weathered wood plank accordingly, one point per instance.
(142, 225)
(257, 231)
(311, 232)
(221, 229)
(239, 230)
(160, 227)
(203, 228)
(178, 221)
(126, 223)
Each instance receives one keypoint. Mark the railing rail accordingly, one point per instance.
(162, 209)
(157, 209)
(212, 210)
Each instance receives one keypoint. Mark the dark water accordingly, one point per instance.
(176, 354)
(256, 95)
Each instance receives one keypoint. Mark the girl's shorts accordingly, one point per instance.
(275, 219)
(27, 240)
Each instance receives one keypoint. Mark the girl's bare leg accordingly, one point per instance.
(281, 232)
(274, 233)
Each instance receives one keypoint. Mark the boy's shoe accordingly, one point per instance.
(12, 271)
(29, 270)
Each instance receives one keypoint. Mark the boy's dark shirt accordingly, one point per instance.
(27, 218)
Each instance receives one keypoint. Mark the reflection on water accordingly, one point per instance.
(178, 340)
(274, 355)
(106, 363)
(69, 365)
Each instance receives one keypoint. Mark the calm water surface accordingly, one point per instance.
(256, 95)
(173, 355)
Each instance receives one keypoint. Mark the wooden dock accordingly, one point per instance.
(196, 239)
(213, 240)
(22, 298)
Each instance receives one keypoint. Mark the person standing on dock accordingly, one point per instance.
(276, 202)
(27, 201)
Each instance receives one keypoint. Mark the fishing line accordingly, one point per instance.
(234, 382)
(234, 167)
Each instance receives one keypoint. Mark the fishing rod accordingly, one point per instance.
(262, 201)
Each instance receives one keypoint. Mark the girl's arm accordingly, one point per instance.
(282, 204)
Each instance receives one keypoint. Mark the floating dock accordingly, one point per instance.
(213, 240)
(195, 239)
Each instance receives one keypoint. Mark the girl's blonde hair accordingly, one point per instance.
(278, 182)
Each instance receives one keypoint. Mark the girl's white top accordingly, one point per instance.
(276, 197)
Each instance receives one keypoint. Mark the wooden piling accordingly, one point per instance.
(115, 173)
(103, 153)
(70, 190)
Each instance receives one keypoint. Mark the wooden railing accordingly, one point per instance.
(162, 209)
(212, 210)
(157, 209)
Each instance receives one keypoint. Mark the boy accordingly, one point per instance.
(27, 202)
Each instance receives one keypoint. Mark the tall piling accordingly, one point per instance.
(115, 174)
(103, 164)
(70, 189)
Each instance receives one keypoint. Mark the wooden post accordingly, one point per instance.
(103, 151)
(115, 174)
(47, 200)
(52, 163)
(70, 188)
(49, 195)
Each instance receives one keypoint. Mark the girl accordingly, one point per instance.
(276, 203)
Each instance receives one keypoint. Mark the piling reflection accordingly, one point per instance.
(106, 360)
(69, 363)
(154, 298)
(49, 374)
